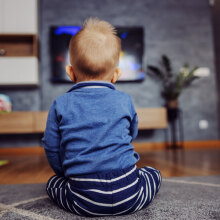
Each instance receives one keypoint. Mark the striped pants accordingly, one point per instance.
(111, 193)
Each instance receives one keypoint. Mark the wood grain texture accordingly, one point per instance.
(29, 165)
(19, 44)
(16, 122)
(152, 118)
(35, 45)
(23, 122)
(35, 122)
(154, 146)
(40, 119)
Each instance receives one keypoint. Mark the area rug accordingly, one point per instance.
(178, 198)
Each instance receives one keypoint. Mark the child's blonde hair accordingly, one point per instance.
(95, 50)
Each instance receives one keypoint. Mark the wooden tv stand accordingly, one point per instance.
(35, 122)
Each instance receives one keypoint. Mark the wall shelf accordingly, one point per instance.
(18, 45)
(19, 60)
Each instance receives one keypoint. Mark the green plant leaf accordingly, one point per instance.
(156, 71)
(172, 84)
(193, 70)
(167, 65)
(188, 81)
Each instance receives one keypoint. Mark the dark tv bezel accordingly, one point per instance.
(63, 81)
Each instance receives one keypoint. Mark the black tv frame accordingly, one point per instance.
(118, 28)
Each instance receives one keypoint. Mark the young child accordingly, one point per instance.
(89, 133)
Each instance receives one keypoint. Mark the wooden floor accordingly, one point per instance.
(32, 166)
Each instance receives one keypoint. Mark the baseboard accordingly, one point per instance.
(31, 150)
(139, 147)
(149, 146)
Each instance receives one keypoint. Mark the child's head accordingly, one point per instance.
(94, 52)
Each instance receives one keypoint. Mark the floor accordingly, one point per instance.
(33, 167)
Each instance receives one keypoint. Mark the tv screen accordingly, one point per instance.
(130, 57)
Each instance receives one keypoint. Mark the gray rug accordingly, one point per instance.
(178, 198)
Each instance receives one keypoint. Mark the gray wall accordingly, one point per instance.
(181, 29)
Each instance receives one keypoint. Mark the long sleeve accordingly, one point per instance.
(134, 122)
(134, 127)
(51, 141)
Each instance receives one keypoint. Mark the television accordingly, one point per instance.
(130, 57)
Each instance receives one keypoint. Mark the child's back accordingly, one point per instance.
(96, 127)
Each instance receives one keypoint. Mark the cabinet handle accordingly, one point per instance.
(2, 52)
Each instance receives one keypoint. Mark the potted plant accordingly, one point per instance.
(172, 86)
(172, 83)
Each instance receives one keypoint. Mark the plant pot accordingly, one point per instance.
(172, 109)
(172, 104)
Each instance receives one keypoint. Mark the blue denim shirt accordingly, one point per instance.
(90, 129)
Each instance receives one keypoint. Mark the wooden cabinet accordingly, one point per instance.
(22, 122)
(152, 118)
(35, 122)
(18, 43)
(18, 60)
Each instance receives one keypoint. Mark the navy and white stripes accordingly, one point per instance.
(110, 193)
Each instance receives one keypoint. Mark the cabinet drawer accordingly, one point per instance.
(18, 71)
(18, 16)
